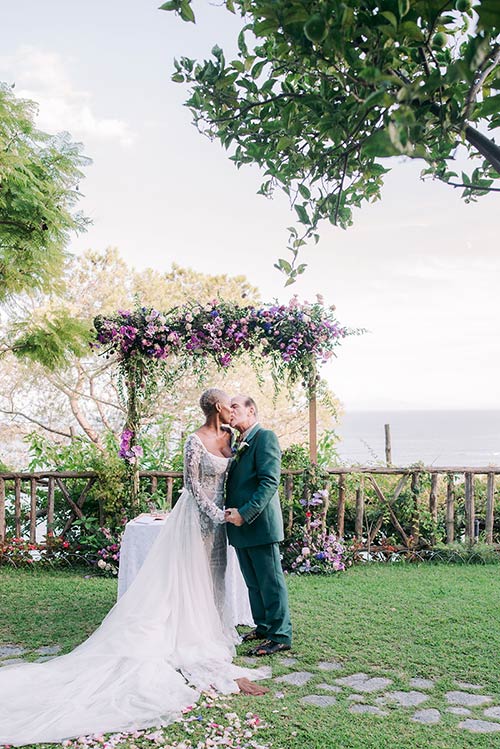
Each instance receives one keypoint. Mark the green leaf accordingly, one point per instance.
(380, 97)
(241, 40)
(489, 14)
(403, 7)
(263, 28)
(379, 144)
(305, 192)
(268, 85)
(171, 5)
(257, 68)
(186, 11)
(302, 214)
(390, 17)
(284, 266)
(491, 105)
(410, 29)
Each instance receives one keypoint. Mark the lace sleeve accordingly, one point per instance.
(193, 452)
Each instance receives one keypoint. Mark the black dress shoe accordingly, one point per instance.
(269, 647)
(254, 634)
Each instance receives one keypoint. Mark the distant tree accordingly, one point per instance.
(322, 90)
(39, 175)
(80, 395)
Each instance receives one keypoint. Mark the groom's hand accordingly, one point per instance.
(234, 517)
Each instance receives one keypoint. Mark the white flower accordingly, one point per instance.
(101, 564)
(238, 449)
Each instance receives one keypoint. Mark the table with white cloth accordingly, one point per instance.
(142, 532)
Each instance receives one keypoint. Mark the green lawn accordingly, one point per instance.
(439, 622)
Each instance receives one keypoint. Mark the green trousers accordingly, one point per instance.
(261, 569)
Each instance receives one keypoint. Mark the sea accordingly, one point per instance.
(437, 438)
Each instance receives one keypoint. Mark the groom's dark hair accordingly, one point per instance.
(250, 403)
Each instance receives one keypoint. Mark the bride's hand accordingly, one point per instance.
(234, 517)
(250, 687)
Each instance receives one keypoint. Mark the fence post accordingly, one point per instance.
(17, 506)
(450, 510)
(2, 511)
(341, 507)
(490, 507)
(388, 445)
(50, 509)
(433, 504)
(360, 509)
(33, 510)
(415, 522)
(469, 507)
(170, 491)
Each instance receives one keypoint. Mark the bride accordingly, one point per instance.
(168, 638)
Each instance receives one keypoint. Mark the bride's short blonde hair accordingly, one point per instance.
(209, 398)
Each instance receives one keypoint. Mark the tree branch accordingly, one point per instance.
(474, 187)
(476, 86)
(99, 406)
(252, 105)
(341, 186)
(35, 421)
(73, 396)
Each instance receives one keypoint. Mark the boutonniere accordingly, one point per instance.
(238, 448)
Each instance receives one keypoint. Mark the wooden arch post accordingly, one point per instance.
(313, 419)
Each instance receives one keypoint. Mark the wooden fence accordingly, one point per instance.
(26, 498)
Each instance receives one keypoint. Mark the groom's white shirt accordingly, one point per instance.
(247, 432)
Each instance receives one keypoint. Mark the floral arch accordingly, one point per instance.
(153, 347)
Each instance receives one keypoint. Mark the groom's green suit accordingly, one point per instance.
(252, 488)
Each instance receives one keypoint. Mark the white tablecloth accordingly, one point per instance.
(136, 543)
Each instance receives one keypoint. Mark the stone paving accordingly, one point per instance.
(368, 694)
(12, 654)
(376, 695)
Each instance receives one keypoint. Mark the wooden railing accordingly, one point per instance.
(25, 498)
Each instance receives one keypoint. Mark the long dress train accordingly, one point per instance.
(166, 639)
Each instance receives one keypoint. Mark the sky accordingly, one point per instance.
(420, 269)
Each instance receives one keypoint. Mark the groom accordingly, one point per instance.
(255, 526)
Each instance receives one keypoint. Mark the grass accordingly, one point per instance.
(400, 621)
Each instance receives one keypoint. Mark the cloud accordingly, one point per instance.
(42, 76)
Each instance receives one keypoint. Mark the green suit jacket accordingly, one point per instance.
(252, 487)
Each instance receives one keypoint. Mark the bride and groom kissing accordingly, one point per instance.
(172, 634)
(253, 512)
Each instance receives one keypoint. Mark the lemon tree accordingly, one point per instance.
(323, 91)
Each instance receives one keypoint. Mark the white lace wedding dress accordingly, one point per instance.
(165, 640)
